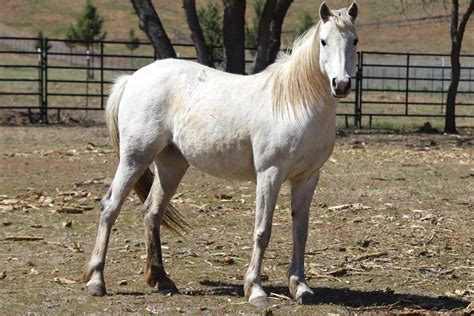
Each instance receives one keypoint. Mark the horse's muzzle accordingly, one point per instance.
(341, 88)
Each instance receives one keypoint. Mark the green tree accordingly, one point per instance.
(133, 42)
(88, 27)
(251, 31)
(70, 37)
(39, 41)
(210, 19)
(305, 22)
(70, 42)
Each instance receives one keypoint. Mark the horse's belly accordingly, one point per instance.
(220, 159)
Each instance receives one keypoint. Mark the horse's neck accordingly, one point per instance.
(306, 69)
(306, 88)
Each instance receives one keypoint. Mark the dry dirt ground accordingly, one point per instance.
(391, 230)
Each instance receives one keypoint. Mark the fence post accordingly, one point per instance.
(361, 88)
(88, 63)
(45, 80)
(102, 74)
(407, 83)
(357, 91)
(356, 97)
(442, 85)
(40, 83)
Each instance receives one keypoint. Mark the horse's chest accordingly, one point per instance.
(311, 152)
(315, 156)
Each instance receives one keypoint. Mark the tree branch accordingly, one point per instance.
(275, 29)
(150, 23)
(202, 51)
(263, 41)
(454, 20)
(234, 36)
(464, 20)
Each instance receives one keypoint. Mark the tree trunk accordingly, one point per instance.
(202, 51)
(234, 36)
(457, 33)
(275, 29)
(263, 40)
(150, 23)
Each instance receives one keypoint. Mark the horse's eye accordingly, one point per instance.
(356, 41)
(323, 42)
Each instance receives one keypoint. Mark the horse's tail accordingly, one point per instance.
(172, 219)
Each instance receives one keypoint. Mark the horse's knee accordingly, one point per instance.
(109, 210)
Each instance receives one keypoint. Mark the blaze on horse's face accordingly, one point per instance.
(338, 47)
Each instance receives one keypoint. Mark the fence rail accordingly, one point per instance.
(68, 76)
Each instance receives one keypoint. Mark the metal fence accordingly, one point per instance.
(410, 85)
(70, 76)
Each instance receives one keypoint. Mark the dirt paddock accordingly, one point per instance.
(391, 230)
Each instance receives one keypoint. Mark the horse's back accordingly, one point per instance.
(205, 113)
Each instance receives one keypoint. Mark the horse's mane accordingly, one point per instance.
(298, 82)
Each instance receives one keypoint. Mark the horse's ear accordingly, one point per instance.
(353, 11)
(324, 12)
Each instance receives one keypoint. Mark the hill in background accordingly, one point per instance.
(383, 25)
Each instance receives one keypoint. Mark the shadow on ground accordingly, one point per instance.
(347, 297)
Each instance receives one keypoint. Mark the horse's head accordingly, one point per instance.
(338, 44)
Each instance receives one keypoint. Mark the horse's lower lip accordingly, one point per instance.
(340, 96)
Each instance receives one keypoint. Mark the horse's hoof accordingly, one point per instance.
(305, 298)
(166, 288)
(260, 301)
(96, 289)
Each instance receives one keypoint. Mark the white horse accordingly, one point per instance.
(270, 127)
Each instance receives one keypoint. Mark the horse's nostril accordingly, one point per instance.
(348, 84)
(334, 84)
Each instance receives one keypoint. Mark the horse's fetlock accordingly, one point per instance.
(144, 210)
(103, 204)
(105, 200)
(262, 238)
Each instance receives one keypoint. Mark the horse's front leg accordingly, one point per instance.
(268, 186)
(302, 190)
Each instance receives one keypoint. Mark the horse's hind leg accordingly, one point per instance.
(170, 168)
(125, 178)
(302, 190)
